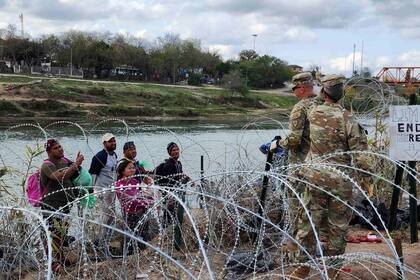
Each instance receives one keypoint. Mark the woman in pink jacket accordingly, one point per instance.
(134, 201)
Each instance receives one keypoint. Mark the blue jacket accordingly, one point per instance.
(98, 162)
(264, 148)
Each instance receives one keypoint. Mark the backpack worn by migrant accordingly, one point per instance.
(35, 191)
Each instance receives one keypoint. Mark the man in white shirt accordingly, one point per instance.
(103, 170)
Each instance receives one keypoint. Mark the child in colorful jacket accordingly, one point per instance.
(134, 201)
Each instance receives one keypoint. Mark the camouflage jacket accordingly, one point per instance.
(333, 129)
(297, 141)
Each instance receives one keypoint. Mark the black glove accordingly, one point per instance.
(278, 137)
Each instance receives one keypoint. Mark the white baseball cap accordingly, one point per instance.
(107, 137)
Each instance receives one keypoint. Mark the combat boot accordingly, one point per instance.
(300, 273)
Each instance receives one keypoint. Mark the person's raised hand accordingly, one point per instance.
(79, 159)
(275, 143)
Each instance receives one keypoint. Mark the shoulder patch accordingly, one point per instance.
(296, 114)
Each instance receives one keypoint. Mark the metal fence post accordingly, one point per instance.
(413, 190)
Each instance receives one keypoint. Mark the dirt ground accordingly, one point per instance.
(411, 256)
(363, 266)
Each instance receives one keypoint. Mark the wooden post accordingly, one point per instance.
(413, 190)
(392, 223)
(201, 198)
(398, 247)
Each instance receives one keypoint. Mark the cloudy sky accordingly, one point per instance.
(301, 32)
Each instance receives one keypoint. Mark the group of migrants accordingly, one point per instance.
(127, 176)
(319, 126)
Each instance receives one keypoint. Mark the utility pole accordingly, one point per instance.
(21, 25)
(361, 61)
(255, 36)
(71, 61)
(354, 56)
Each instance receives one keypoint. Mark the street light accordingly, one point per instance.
(255, 36)
(71, 60)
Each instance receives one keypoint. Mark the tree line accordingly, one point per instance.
(169, 59)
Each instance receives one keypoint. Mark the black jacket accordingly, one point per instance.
(98, 162)
(169, 173)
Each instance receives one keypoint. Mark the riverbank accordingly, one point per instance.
(39, 99)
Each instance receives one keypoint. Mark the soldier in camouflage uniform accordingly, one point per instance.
(297, 141)
(332, 130)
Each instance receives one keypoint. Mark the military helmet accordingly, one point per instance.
(304, 78)
(333, 86)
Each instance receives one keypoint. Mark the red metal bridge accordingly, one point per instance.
(400, 75)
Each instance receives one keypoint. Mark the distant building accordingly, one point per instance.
(296, 68)
(126, 72)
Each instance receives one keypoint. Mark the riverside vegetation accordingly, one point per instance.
(56, 98)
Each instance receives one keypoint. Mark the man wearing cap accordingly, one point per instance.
(103, 170)
(56, 174)
(332, 130)
(297, 141)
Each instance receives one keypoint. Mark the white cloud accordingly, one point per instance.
(382, 61)
(411, 33)
(258, 28)
(401, 15)
(225, 51)
(140, 33)
(315, 13)
(344, 64)
(411, 58)
(158, 8)
(292, 30)
(67, 1)
(299, 34)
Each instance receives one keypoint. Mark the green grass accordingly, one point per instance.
(43, 105)
(15, 79)
(123, 110)
(131, 100)
(8, 107)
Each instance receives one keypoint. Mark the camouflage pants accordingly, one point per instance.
(329, 216)
(295, 206)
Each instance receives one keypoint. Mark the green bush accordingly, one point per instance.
(188, 113)
(125, 111)
(234, 82)
(96, 91)
(69, 113)
(75, 89)
(43, 105)
(194, 79)
(7, 107)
